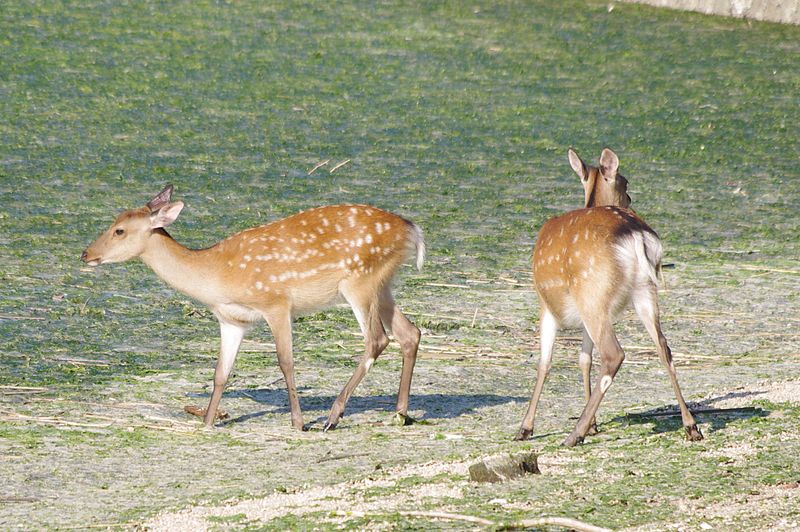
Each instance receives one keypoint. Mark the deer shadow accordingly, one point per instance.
(668, 419)
(435, 406)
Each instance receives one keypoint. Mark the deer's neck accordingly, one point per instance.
(192, 272)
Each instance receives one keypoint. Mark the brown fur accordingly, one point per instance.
(302, 263)
(588, 265)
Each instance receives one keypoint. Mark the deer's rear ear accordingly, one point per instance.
(161, 199)
(577, 164)
(609, 163)
(165, 215)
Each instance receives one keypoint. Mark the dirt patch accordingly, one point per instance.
(356, 498)
(441, 483)
(773, 392)
(770, 507)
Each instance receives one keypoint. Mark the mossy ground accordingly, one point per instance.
(457, 116)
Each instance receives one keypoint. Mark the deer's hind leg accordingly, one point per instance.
(547, 338)
(365, 304)
(408, 336)
(602, 334)
(646, 304)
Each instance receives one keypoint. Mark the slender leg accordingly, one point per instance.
(231, 335)
(375, 341)
(408, 335)
(547, 337)
(611, 357)
(585, 363)
(280, 322)
(646, 305)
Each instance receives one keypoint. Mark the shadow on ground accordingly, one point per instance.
(435, 406)
(668, 419)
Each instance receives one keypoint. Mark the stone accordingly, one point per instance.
(502, 467)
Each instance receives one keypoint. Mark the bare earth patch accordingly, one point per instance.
(774, 392)
(771, 507)
(340, 500)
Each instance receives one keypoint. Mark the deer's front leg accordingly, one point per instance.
(231, 335)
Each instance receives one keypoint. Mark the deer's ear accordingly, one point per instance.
(577, 164)
(609, 163)
(165, 215)
(161, 199)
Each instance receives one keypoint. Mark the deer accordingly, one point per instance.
(588, 266)
(277, 271)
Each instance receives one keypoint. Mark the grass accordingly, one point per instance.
(455, 115)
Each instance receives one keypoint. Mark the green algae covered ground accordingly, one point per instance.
(458, 116)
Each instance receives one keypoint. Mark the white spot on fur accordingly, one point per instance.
(605, 383)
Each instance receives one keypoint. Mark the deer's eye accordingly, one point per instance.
(119, 232)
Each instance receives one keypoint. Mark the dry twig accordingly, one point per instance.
(332, 170)
(34, 318)
(565, 522)
(318, 166)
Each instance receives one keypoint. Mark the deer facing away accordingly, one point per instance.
(588, 265)
(276, 271)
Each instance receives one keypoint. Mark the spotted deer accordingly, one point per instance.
(276, 271)
(589, 265)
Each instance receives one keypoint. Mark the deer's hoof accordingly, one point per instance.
(573, 440)
(693, 433)
(523, 434)
(403, 420)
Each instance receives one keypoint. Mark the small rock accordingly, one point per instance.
(504, 467)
